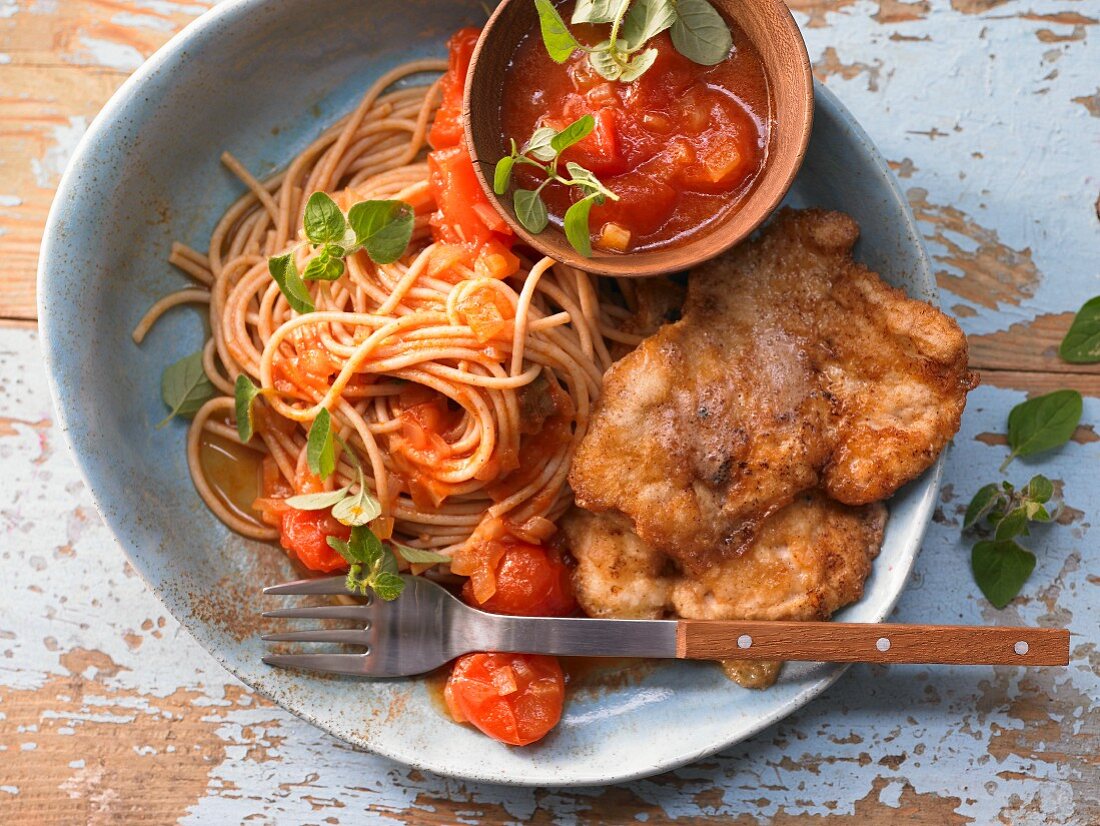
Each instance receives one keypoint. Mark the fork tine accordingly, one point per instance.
(329, 663)
(304, 587)
(352, 612)
(352, 636)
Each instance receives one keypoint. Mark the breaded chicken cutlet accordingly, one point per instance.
(793, 368)
(808, 560)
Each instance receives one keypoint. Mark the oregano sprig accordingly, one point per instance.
(373, 567)
(543, 151)
(382, 228)
(1000, 514)
(348, 508)
(698, 32)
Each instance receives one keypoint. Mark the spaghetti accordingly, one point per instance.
(462, 374)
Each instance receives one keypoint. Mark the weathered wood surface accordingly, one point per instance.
(989, 111)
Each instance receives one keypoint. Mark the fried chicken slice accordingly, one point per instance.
(809, 559)
(792, 367)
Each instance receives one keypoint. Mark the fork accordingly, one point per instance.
(427, 627)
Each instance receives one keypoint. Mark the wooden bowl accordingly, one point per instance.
(770, 27)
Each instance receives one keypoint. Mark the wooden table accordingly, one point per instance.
(989, 111)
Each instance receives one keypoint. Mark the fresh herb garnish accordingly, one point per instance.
(373, 566)
(1082, 342)
(542, 151)
(245, 392)
(185, 387)
(320, 451)
(382, 228)
(419, 556)
(1001, 513)
(324, 222)
(349, 508)
(1042, 423)
(318, 501)
(357, 508)
(285, 272)
(1001, 568)
(698, 33)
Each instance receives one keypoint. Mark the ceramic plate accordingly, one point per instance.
(261, 78)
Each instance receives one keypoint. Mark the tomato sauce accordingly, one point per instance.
(682, 146)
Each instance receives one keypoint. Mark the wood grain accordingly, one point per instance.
(853, 642)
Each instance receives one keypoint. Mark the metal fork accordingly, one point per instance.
(427, 627)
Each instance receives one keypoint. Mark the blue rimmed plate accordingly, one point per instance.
(261, 78)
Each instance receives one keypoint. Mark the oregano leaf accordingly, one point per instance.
(700, 34)
(557, 38)
(1043, 423)
(320, 451)
(244, 393)
(185, 387)
(324, 222)
(1001, 569)
(285, 272)
(530, 210)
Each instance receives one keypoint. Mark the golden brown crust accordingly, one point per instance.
(809, 560)
(792, 367)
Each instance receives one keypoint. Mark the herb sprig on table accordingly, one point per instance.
(1000, 514)
(543, 152)
(697, 30)
(382, 228)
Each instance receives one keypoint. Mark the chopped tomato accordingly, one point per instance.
(513, 698)
(723, 162)
(421, 444)
(464, 215)
(305, 534)
(531, 582)
(634, 188)
(309, 364)
(487, 313)
(447, 129)
(599, 152)
(680, 145)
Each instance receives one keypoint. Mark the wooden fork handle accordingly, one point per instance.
(842, 642)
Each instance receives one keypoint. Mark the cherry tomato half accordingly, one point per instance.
(305, 534)
(531, 582)
(513, 698)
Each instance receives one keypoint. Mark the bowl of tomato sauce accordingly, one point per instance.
(675, 164)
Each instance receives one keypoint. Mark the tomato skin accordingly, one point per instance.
(447, 128)
(305, 534)
(461, 203)
(530, 582)
(599, 152)
(513, 698)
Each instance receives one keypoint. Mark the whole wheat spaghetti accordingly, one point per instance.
(390, 344)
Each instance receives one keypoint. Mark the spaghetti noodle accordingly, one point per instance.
(463, 386)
